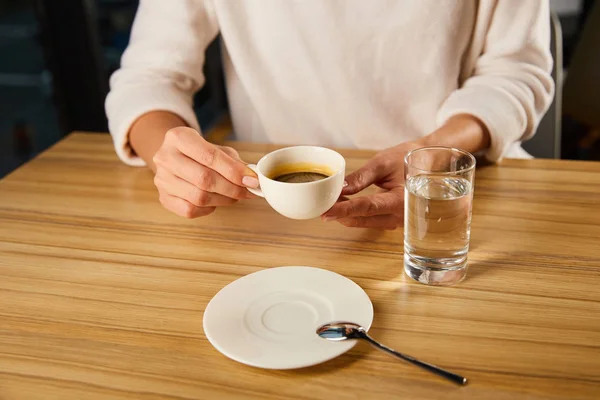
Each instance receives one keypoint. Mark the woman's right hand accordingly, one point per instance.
(194, 177)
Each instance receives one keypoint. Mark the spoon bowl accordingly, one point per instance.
(338, 331)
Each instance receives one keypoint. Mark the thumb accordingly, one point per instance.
(364, 177)
(231, 152)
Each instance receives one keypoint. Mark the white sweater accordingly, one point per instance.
(342, 73)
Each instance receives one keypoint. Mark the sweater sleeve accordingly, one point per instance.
(510, 86)
(161, 69)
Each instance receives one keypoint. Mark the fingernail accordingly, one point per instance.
(345, 184)
(250, 182)
(329, 218)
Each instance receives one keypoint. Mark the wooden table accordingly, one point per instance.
(102, 292)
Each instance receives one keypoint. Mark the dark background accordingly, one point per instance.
(56, 57)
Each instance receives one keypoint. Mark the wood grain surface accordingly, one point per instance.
(102, 291)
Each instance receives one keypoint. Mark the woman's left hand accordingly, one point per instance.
(384, 210)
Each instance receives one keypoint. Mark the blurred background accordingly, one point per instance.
(56, 57)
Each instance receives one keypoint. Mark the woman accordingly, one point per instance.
(383, 75)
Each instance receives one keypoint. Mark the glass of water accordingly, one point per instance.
(438, 197)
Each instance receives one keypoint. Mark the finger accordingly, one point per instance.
(364, 177)
(177, 187)
(200, 176)
(387, 222)
(183, 208)
(230, 151)
(195, 147)
(390, 202)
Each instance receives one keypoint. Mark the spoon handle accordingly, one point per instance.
(461, 380)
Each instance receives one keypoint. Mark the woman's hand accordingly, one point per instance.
(194, 177)
(384, 210)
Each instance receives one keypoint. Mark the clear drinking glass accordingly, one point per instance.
(438, 197)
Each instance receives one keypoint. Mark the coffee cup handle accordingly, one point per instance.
(257, 191)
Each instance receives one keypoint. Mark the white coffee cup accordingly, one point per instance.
(301, 200)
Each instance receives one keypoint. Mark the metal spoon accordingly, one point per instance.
(338, 331)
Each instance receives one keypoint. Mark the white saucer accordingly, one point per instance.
(268, 319)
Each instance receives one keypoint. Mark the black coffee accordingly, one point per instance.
(300, 177)
(300, 172)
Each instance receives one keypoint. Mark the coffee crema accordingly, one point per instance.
(300, 172)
